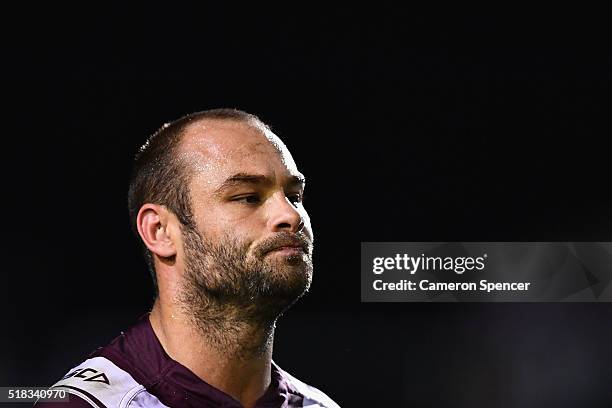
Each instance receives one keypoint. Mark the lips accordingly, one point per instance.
(287, 244)
(288, 251)
(289, 247)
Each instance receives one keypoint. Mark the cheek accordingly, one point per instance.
(213, 222)
(241, 233)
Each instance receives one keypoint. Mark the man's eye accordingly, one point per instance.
(248, 199)
(295, 198)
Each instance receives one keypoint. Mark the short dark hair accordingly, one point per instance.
(159, 177)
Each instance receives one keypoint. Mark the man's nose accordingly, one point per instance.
(284, 216)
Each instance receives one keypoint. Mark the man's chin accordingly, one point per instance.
(290, 271)
(279, 299)
(289, 280)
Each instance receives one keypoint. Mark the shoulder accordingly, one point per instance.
(313, 397)
(98, 382)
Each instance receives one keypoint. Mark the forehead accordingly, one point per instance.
(220, 147)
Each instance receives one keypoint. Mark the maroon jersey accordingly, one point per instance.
(135, 371)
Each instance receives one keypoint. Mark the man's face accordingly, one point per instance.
(251, 245)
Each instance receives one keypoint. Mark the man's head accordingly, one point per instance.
(217, 200)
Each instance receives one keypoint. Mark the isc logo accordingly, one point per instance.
(88, 374)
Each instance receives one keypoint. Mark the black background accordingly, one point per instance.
(408, 128)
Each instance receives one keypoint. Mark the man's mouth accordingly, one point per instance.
(285, 244)
(288, 250)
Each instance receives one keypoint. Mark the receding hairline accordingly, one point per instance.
(191, 150)
(198, 127)
(252, 122)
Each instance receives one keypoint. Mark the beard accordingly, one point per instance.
(225, 285)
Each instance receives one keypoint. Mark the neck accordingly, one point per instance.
(229, 352)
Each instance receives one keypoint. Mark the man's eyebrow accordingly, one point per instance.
(245, 178)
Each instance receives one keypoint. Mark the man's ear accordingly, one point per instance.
(156, 229)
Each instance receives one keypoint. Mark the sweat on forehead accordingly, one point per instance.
(224, 140)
